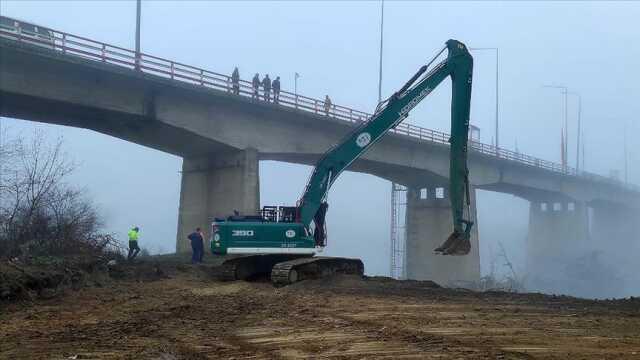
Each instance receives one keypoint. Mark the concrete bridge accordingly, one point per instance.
(222, 134)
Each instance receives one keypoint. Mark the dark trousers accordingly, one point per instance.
(267, 95)
(134, 249)
(236, 88)
(197, 248)
(276, 95)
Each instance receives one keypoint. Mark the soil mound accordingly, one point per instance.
(47, 277)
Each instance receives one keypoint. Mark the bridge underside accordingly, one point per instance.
(138, 129)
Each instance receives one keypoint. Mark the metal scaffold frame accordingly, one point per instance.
(398, 262)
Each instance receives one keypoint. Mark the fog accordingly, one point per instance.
(590, 47)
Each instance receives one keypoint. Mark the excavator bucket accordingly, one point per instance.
(458, 243)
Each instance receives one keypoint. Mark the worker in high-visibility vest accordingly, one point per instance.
(134, 249)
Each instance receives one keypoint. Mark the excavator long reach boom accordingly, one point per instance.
(283, 241)
(459, 66)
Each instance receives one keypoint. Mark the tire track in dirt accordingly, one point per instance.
(192, 317)
(384, 327)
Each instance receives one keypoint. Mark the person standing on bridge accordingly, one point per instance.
(256, 85)
(197, 246)
(235, 81)
(276, 89)
(266, 84)
(327, 105)
(134, 249)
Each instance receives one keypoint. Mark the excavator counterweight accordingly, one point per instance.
(283, 240)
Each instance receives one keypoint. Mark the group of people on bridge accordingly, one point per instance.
(266, 83)
(267, 87)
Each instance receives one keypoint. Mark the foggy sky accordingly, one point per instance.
(591, 47)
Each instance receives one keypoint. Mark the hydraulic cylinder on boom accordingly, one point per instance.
(283, 239)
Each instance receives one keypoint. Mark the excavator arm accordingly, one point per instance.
(458, 65)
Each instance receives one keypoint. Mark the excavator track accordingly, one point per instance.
(249, 266)
(289, 272)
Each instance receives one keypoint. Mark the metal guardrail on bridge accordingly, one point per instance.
(111, 54)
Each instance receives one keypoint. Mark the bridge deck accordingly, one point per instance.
(77, 46)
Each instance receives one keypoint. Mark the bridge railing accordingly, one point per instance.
(98, 51)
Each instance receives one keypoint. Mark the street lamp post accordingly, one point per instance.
(626, 156)
(579, 127)
(138, 9)
(584, 141)
(497, 96)
(565, 92)
(381, 38)
(295, 86)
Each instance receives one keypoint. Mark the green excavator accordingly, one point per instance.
(283, 240)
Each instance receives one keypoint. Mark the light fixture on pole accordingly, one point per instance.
(565, 92)
(497, 138)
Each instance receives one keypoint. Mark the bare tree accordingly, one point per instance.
(39, 211)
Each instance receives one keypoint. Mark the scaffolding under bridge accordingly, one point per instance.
(398, 263)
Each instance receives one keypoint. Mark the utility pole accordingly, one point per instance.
(138, 10)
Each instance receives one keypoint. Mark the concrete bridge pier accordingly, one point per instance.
(615, 226)
(215, 186)
(429, 223)
(557, 230)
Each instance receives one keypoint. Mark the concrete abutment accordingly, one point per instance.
(429, 223)
(215, 186)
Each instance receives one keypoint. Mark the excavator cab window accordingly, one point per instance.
(270, 213)
(288, 214)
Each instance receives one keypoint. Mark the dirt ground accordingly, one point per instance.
(185, 314)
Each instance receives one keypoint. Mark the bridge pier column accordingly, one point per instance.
(215, 187)
(556, 230)
(614, 226)
(429, 223)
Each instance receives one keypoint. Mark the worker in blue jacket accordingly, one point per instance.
(197, 245)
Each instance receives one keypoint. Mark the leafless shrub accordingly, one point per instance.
(510, 282)
(493, 281)
(40, 214)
